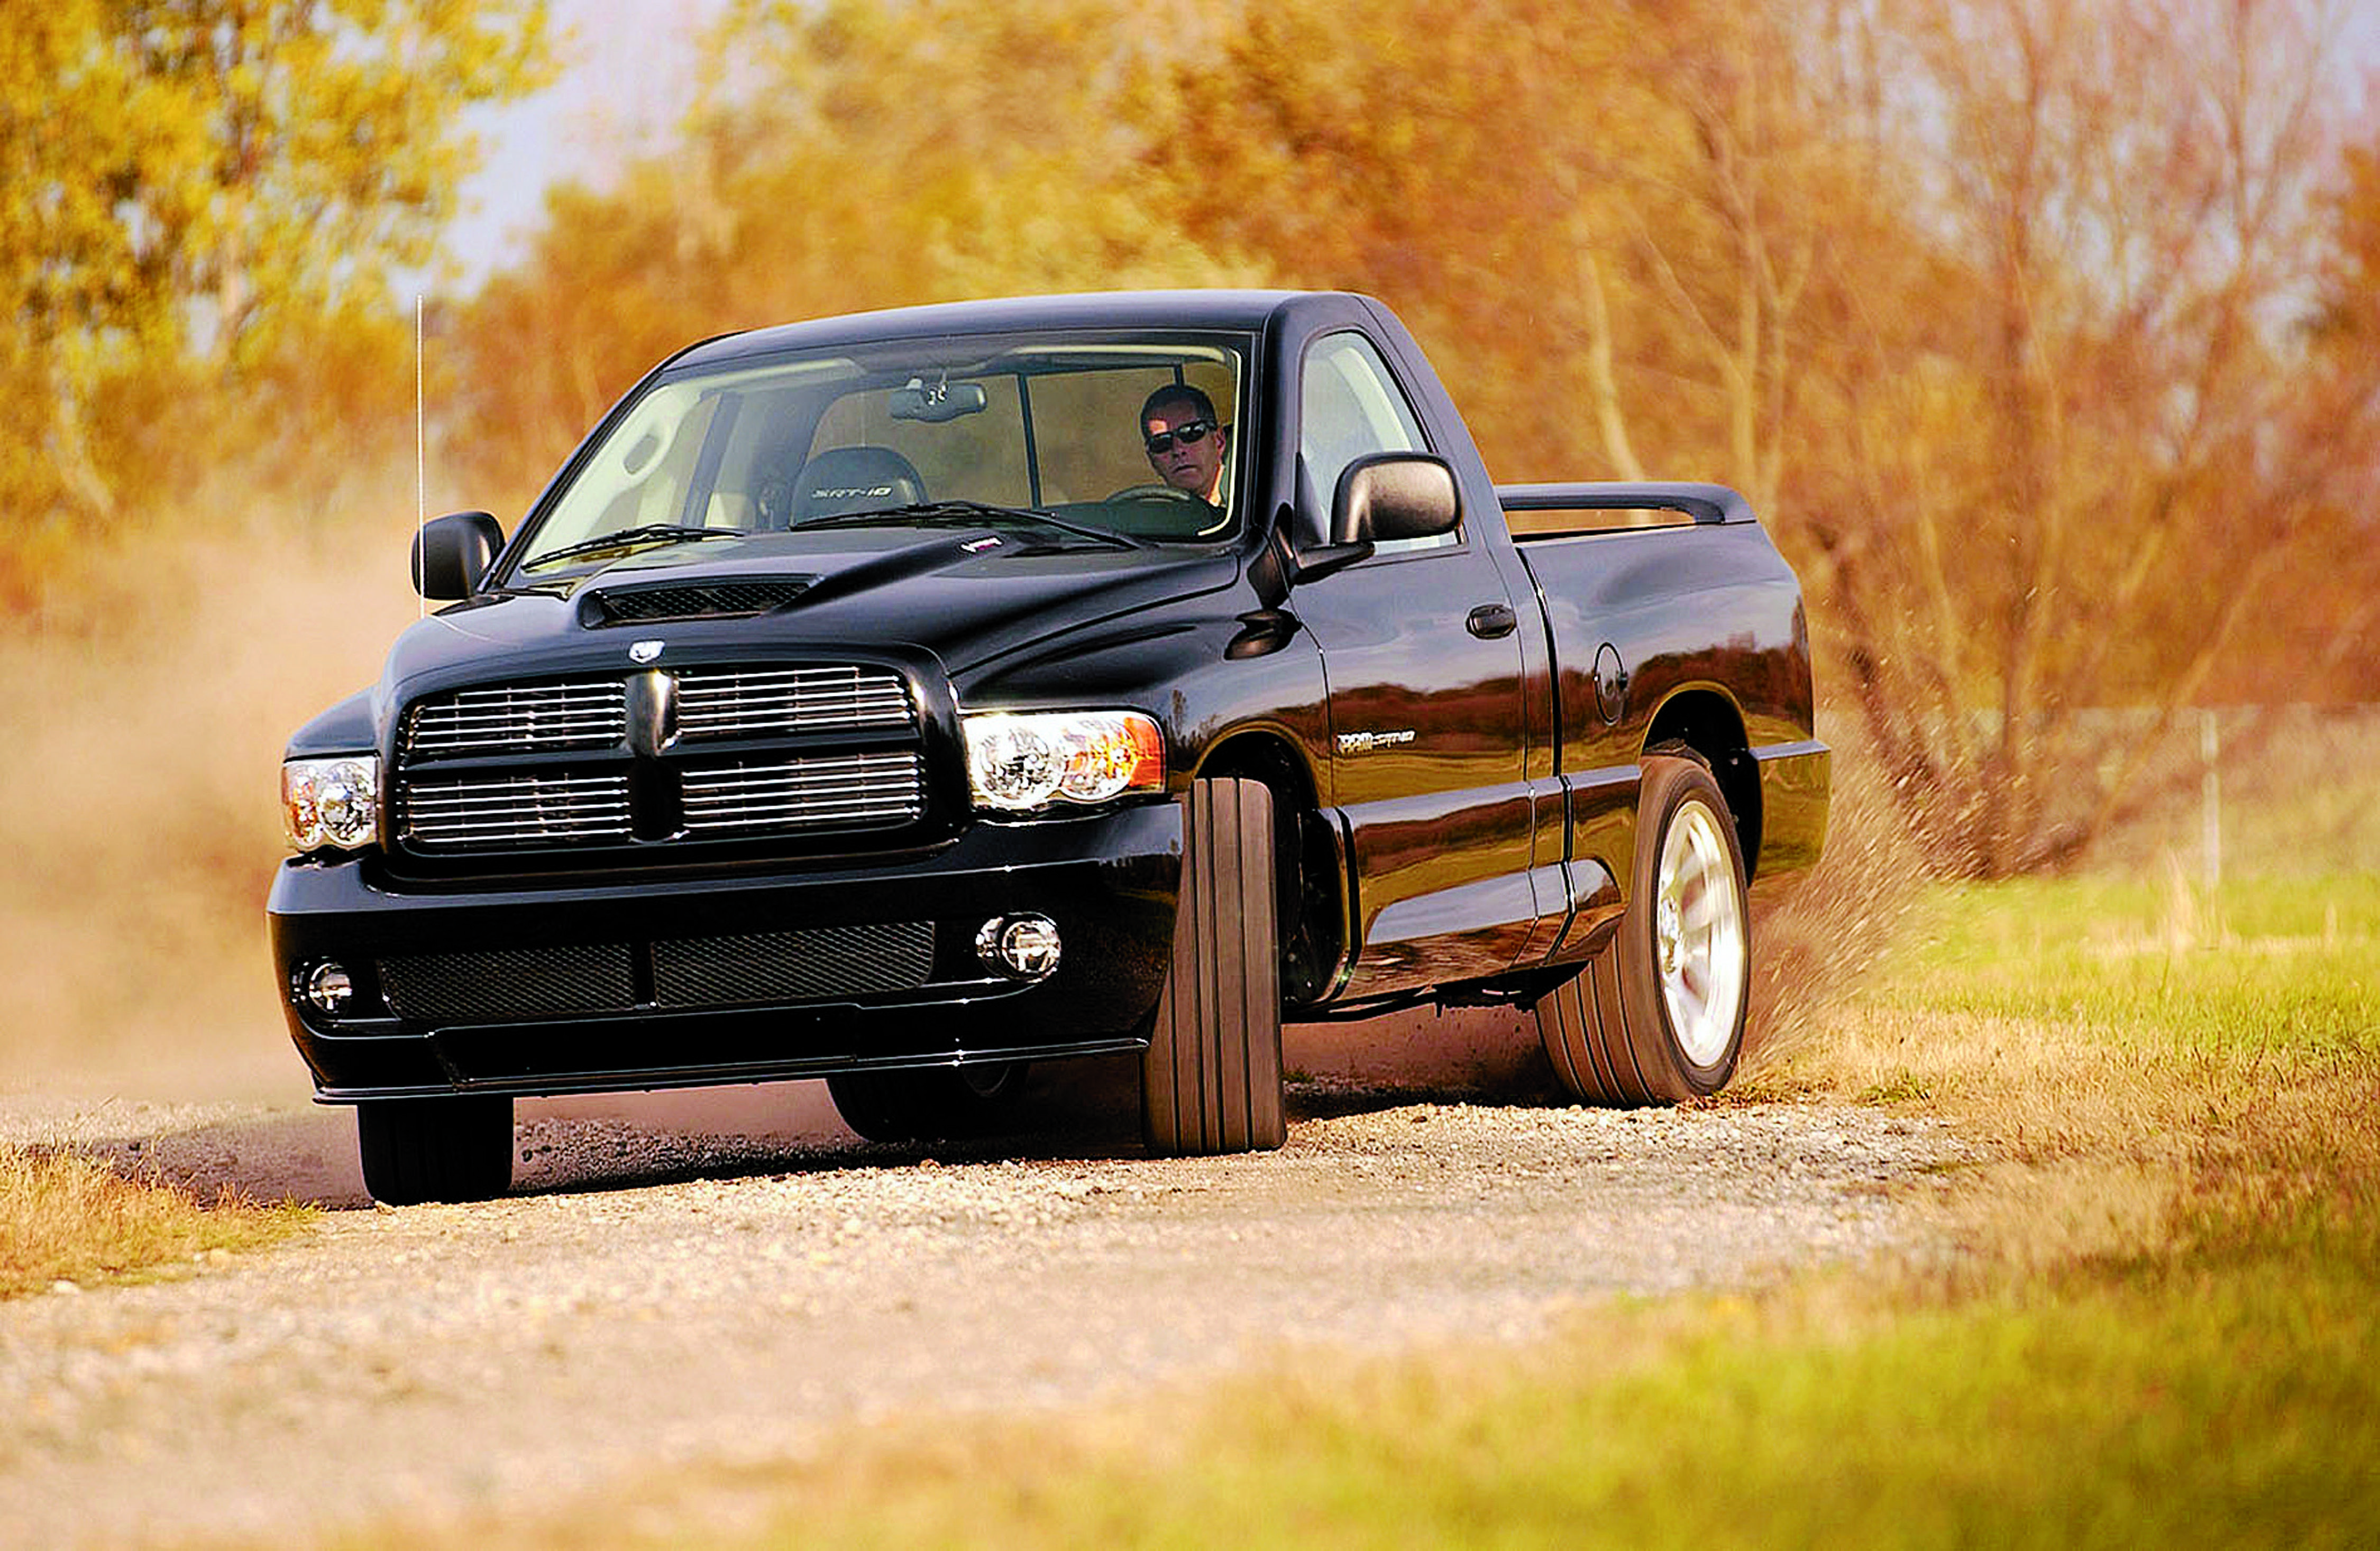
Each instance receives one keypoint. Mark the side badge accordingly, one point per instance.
(644, 651)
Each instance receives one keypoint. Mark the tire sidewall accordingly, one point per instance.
(1672, 781)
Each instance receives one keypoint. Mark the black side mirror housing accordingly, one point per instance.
(451, 554)
(1387, 496)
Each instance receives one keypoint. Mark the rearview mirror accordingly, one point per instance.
(451, 554)
(1387, 496)
(937, 402)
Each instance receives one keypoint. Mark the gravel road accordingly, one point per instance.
(682, 1284)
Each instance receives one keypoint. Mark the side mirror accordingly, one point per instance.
(1394, 495)
(451, 554)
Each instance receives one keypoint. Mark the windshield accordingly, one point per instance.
(1123, 433)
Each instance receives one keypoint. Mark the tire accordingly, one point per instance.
(1657, 1014)
(1210, 1081)
(435, 1149)
(928, 1105)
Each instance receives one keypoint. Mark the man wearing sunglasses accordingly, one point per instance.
(1185, 442)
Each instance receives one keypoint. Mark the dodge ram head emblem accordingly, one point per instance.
(644, 651)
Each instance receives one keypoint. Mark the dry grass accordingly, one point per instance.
(2139, 1064)
(65, 1218)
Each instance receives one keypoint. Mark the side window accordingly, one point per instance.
(1350, 405)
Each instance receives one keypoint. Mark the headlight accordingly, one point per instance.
(1017, 761)
(330, 802)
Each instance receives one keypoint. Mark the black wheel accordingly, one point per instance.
(1210, 1082)
(1656, 1017)
(435, 1149)
(933, 1103)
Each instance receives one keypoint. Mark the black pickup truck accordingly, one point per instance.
(904, 699)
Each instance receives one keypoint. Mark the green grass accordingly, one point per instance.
(2158, 1323)
(2234, 1406)
(2257, 967)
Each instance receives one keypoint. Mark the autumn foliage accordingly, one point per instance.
(207, 200)
(2043, 333)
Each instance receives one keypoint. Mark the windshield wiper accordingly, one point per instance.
(650, 533)
(970, 514)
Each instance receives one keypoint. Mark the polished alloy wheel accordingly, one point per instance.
(1698, 936)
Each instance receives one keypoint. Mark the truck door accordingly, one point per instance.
(1421, 655)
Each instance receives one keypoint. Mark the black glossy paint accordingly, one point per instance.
(1492, 844)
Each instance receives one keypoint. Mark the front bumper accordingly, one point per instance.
(576, 985)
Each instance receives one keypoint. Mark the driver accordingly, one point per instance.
(1185, 442)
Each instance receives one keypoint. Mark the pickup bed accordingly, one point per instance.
(906, 698)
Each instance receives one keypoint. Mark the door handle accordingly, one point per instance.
(1491, 620)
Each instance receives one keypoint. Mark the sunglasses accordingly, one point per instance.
(1189, 435)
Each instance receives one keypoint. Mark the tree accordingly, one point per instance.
(2074, 472)
(850, 154)
(1997, 308)
(197, 185)
(1993, 307)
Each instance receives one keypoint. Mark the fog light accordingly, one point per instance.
(1021, 947)
(330, 988)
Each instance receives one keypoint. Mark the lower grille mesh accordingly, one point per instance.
(793, 966)
(509, 983)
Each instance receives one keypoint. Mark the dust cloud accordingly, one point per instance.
(140, 820)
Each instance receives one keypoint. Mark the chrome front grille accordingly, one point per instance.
(857, 789)
(637, 759)
(518, 717)
(515, 810)
(748, 702)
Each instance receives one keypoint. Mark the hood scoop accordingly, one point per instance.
(720, 597)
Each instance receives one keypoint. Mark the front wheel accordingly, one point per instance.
(1210, 1081)
(435, 1149)
(1656, 1017)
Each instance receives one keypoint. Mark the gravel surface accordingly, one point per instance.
(665, 1292)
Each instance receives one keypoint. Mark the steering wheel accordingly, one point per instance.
(1165, 512)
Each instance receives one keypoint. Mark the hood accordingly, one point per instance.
(966, 594)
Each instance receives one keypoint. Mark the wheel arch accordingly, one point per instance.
(1703, 719)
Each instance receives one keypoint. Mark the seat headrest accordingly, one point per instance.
(856, 480)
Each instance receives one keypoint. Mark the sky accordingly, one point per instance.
(626, 73)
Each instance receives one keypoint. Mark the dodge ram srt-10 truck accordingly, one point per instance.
(904, 699)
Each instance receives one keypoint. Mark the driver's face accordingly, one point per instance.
(1187, 465)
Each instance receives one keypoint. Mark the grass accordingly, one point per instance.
(2154, 1322)
(65, 1218)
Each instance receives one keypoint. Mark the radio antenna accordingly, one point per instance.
(421, 450)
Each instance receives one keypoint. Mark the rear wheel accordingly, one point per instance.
(1210, 1081)
(1656, 1017)
(435, 1149)
(933, 1103)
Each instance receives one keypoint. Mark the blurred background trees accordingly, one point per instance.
(2044, 335)
(207, 200)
